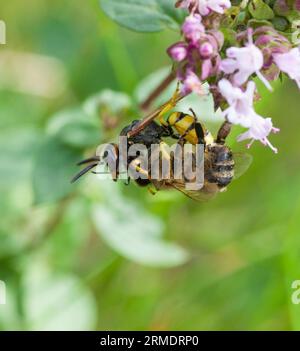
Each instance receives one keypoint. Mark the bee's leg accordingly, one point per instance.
(152, 190)
(127, 181)
(136, 166)
(223, 132)
(142, 171)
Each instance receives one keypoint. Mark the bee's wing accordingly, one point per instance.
(242, 163)
(208, 192)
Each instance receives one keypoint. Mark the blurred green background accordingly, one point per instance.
(99, 255)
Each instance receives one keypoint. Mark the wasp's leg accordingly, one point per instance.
(168, 106)
(223, 132)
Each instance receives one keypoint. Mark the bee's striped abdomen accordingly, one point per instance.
(221, 170)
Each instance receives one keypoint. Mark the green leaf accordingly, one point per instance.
(54, 165)
(56, 301)
(281, 7)
(254, 23)
(75, 128)
(280, 23)
(260, 10)
(107, 100)
(132, 232)
(16, 151)
(143, 15)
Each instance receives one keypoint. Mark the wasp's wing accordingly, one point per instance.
(148, 119)
(242, 163)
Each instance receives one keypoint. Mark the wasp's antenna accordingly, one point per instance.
(94, 159)
(83, 171)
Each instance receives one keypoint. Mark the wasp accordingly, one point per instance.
(147, 134)
(221, 165)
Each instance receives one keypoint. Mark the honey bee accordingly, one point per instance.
(221, 165)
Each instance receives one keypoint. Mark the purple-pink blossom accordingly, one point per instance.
(197, 58)
(193, 28)
(241, 112)
(259, 130)
(243, 62)
(270, 42)
(205, 7)
(178, 52)
(289, 63)
(219, 6)
(192, 83)
(240, 102)
(206, 50)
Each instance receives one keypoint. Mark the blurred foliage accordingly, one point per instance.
(107, 256)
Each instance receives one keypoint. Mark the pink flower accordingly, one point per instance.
(178, 52)
(259, 130)
(206, 50)
(219, 6)
(241, 112)
(243, 62)
(192, 83)
(204, 7)
(192, 28)
(289, 63)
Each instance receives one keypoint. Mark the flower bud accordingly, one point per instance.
(178, 52)
(192, 28)
(206, 50)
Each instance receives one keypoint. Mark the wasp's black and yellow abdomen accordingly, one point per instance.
(187, 127)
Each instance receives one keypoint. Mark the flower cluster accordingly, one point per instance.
(227, 47)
